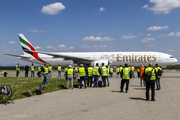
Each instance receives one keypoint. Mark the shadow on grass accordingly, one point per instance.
(136, 98)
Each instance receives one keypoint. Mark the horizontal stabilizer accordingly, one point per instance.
(18, 56)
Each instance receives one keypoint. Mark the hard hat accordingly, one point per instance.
(70, 66)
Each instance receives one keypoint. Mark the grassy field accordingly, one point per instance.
(20, 85)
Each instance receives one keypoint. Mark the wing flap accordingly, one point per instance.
(67, 57)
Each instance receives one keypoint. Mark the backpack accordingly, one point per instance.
(148, 75)
(159, 72)
(99, 83)
(38, 92)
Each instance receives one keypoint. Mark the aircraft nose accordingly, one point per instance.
(176, 60)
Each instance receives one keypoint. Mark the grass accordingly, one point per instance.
(20, 85)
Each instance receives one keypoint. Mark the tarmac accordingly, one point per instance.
(100, 103)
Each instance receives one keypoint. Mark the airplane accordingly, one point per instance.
(91, 58)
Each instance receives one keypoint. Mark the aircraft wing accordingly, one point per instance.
(67, 57)
(18, 56)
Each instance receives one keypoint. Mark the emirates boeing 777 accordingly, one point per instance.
(108, 58)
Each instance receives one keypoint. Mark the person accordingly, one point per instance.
(26, 68)
(150, 83)
(96, 74)
(132, 71)
(4, 73)
(44, 69)
(69, 76)
(120, 69)
(159, 72)
(125, 75)
(107, 76)
(65, 69)
(59, 71)
(17, 70)
(76, 71)
(141, 76)
(111, 72)
(117, 71)
(138, 72)
(90, 75)
(50, 71)
(82, 74)
(104, 74)
(32, 70)
(39, 71)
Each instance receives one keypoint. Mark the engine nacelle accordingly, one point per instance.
(106, 62)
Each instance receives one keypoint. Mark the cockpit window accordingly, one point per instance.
(171, 57)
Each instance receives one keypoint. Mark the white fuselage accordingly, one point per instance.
(114, 58)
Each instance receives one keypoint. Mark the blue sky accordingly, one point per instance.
(89, 25)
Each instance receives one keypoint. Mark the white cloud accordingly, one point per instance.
(103, 46)
(149, 34)
(12, 42)
(6, 51)
(49, 47)
(100, 33)
(147, 39)
(33, 30)
(171, 50)
(94, 47)
(163, 6)
(101, 9)
(37, 47)
(171, 34)
(36, 31)
(150, 45)
(42, 31)
(130, 36)
(178, 34)
(71, 47)
(62, 46)
(158, 28)
(92, 38)
(145, 6)
(53, 8)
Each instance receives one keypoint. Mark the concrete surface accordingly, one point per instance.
(100, 103)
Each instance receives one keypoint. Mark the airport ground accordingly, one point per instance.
(100, 103)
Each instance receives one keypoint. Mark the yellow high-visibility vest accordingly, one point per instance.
(82, 72)
(32, 68)
(90, 71)
(59, 68)
(104, 71)
(46, 70)
(126, 74)
(70, 72)
(96, 70)
(153, 75)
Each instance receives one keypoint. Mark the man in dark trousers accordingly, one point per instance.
(26, 70)
(150, 81)
(125, 75)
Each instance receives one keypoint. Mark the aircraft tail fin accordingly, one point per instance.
(27, 47)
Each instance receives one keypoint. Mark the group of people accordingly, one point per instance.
(89, 75)
(32, 69)
(150, 75)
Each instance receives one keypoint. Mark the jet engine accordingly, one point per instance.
(106, 62)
